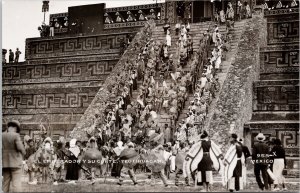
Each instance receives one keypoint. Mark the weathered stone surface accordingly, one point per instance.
(276, 94)
(234, 107)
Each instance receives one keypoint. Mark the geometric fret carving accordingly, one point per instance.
(82, 70)
(48, 98)
(280, 60)
(283, 30)
(276, 98)
(74, 46)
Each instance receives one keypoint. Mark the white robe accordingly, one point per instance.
(218, 61)
(214, 37)
(168, 39)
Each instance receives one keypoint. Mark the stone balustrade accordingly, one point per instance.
(131, 16)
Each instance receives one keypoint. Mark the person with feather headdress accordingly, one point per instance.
(202, 158)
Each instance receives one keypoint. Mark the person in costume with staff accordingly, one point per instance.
(203, 157)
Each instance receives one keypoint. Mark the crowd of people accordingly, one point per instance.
(206, 85)
(131, 16)
(243, 11)
(66, 161)
(153, 82)
(160, 84)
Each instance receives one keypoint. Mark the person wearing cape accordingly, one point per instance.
(233, 165)
(157, 161)
(246, 154)
(202, 158)
(130, 158)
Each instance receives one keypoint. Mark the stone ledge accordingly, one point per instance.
(272, 116)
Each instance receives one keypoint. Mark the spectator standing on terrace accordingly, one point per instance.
(52, 25)
(11, 56)
(17, 54)
(12, 153)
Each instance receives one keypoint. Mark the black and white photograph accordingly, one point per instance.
(150, 96)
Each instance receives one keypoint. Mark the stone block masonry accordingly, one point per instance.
(234, 106)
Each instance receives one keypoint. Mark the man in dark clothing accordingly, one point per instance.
(30, 149)
(245, 149)
(11, 56)
(237, 172)
(260, 158)
(166, 26)
(17, 54)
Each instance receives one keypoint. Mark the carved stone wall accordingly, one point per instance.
(59, 79)
(283, 25)
(50, 101)
(74, 46)
(171, 11)
(276, 95)
(57, 72)
(282, 59)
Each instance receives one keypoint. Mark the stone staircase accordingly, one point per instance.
(197, 30)
(235, 35)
